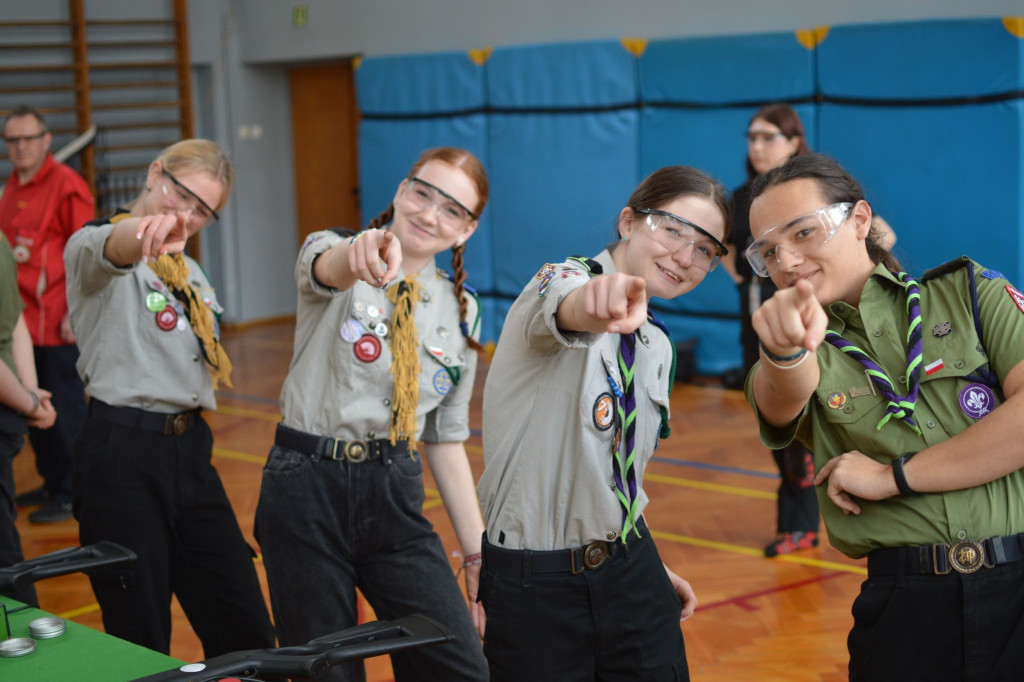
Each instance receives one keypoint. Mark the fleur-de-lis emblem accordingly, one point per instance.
(978, 401)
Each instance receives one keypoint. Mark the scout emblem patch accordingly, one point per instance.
(976, 400)
(167, 319)
(546, 274)
(604, 411)
(442, 382)
(1017, 297)
(942, 329)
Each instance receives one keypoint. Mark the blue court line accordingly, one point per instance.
(715, 467)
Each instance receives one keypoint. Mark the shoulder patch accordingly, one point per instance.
(1017, 296)
(992, 274)
(592, 266)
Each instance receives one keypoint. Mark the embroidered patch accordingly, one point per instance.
(442, 382)
(1017, 297)
(546, 274)
(311, 239)
(167, 319)
(942, 329)
(836, 400)
(604, 411)
(934, 367)
(992, 274)
(367, 348)
(976, 400)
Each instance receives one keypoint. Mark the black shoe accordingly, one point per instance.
(51, 512)
(33, 498)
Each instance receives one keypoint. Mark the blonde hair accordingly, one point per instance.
(197, 155)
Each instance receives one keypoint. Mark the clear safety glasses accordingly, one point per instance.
(675, 233)
(450, 212)
(801, 236)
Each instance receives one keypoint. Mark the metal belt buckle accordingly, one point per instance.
(595, 554)
(356, 451)
(180, 424)
(967, 556)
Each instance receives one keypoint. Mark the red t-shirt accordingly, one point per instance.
(38, 218)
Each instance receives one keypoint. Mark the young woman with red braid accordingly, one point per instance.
(384, 357)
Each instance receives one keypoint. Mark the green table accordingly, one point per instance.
(81, 654)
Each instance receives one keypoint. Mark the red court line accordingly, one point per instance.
(742, 601)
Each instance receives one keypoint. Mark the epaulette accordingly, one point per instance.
(946, 268)
(451, 278)
(592, 266)
(343, 232)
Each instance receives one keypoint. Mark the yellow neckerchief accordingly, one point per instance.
(405, 359)
(173, 272)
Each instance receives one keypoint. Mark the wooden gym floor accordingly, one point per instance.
(712, 486)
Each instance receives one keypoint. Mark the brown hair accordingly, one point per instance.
(835, 186)
(785, 118)
(471, 166)
(25, 110)
(668, 183)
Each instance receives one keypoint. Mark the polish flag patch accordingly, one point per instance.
(1017, 297)
(934, 367)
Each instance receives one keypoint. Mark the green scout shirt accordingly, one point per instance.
(11, 304)
(844, 414)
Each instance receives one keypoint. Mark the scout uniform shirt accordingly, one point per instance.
(38, 217)
(137, 347)
(844, 413)
(340, 384)
(549, 420)
(11, 306)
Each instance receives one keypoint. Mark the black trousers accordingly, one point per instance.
(616, 623)
(55, 367)
(10, 540)
(967, 628)
(797, 503)
(160, 496)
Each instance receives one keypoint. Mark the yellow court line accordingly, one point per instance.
(240, 456)
(80, 611)
(245, 412)
(750, 551)
(713, 487)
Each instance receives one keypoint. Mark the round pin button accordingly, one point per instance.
(382, 329)
(167, 319)
(182, 324)
(155, 301)
(372, 311)
(367, 348)
(351, 330)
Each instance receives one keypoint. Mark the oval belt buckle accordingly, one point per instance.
(967, 556)
(356, 451)
(180, 424)
(595, 554)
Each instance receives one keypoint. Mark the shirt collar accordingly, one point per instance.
(840, 311)
(49, 163)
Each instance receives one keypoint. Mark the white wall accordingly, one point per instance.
(380, 27)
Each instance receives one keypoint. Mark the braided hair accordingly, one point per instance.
(471, 166)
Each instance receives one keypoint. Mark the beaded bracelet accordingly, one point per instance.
(473, 560)
(774, 360)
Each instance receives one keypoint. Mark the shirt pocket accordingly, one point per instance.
(600, 392)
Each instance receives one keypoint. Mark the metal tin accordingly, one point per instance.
(19, 646)
(47, 627)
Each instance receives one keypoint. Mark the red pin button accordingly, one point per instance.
(167, 319)
(367, 348)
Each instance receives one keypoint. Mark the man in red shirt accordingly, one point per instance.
(43, 203)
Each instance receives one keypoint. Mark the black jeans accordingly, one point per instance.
(160, 496)
(968, 628)
(10, 540)
(615, 623)
(327, 527)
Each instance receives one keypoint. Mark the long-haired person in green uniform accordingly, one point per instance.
(915, 380)
(576, 399)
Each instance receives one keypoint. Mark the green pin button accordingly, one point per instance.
(155, 302)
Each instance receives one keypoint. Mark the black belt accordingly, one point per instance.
(173, 424)
(354, 451)
(575, 560)
(965, 556)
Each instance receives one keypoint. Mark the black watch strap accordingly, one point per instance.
(900, 476)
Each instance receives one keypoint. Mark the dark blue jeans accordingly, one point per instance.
(327, 527)
(616, 623)
(967, 628)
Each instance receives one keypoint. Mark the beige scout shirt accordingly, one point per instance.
(340, 382)
(127, 359)
(843, 414)
(547, 482)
